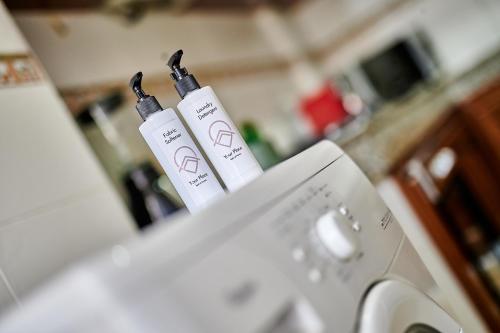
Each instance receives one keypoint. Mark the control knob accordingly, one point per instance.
(337, 235)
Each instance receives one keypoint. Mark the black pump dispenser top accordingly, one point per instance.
(184, 82)
(146, 105)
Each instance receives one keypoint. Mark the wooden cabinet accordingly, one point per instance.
(452, 180)
(482, 116)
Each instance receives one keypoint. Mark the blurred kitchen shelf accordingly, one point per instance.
(400, 125)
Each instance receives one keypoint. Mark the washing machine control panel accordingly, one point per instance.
(335, 228)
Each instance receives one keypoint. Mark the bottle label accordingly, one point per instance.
(224, 138)
(180, 149)
(220, 138)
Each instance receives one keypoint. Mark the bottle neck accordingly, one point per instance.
(186, 85)
(148, 106)
(148, 115)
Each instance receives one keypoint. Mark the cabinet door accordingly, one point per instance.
(453, 186)
(482, 115)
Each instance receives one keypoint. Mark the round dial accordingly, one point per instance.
(336, 234)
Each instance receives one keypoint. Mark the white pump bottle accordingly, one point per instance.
(214, 130)
(175, 150)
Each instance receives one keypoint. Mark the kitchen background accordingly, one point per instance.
(409, 88)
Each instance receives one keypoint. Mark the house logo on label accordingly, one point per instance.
(221, 134)
(185, 159)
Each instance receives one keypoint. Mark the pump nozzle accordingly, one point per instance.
(135, 84)
(175, 60)
(184, 82)
(146, 105)
(178, 72)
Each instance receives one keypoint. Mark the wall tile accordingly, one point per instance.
(33, 250)
(44, 158)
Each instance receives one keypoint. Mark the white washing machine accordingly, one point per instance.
(309, 247)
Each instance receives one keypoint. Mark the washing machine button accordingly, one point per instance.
(343, 210)
(356, 226)
(298, 254)
(336, 234)
(315, 275)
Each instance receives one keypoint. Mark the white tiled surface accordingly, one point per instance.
(56, 205)
(43, 156)
(11, 40)
(34, 249)
(6, 299)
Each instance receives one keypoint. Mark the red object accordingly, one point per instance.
(324, 108)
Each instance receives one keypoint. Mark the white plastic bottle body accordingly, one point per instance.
(219, 137)
(183, 163)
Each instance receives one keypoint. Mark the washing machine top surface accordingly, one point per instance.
(295, 251)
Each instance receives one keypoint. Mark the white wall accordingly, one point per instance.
(101, 48)
(320, 22)
(463, 32)
(56, 205)
(12, 41)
